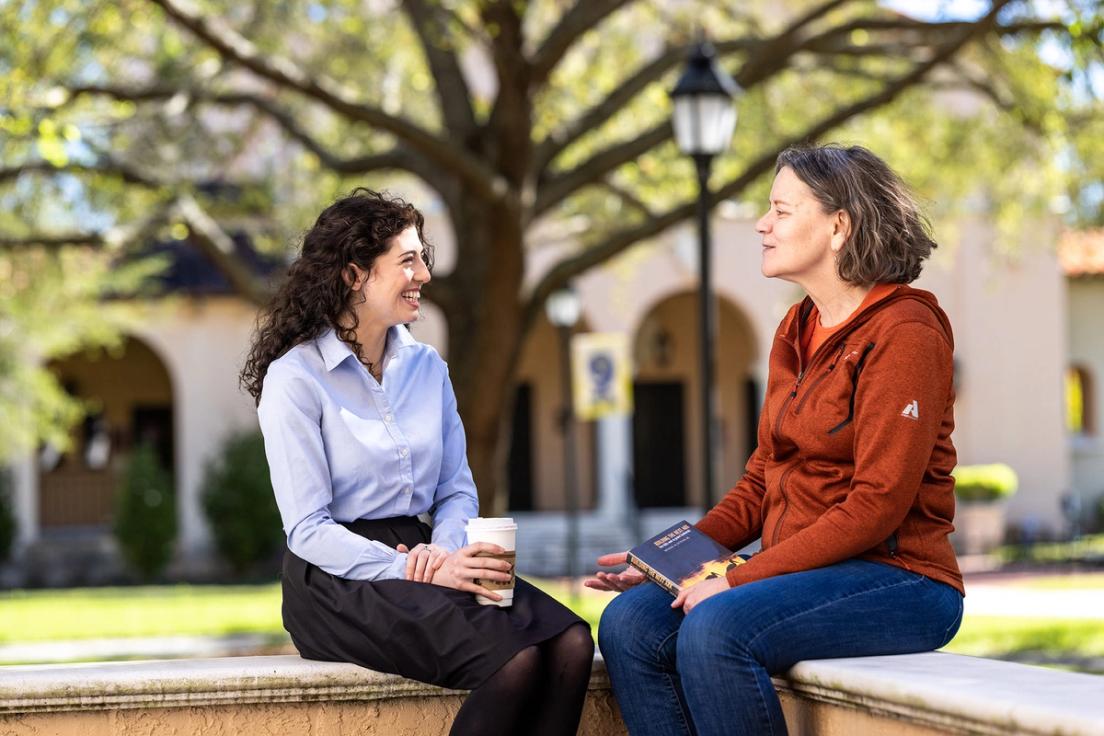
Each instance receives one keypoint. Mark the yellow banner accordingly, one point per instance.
(601, 374)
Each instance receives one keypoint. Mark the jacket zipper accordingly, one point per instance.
(785, 504)
(891, 546)
(821, 377)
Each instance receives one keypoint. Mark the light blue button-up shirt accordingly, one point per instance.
(341, 447)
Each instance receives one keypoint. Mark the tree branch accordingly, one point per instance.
(766, 58)
(285, 74)
(452, 87)
(399, 157)
(628, 198)
(651, 72)
(114, 237)
(213, 241)
(108, 167)
(582, 17)
(619, 241)
(561, 186)
(9, 242)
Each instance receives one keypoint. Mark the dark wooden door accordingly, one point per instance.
(659, 445)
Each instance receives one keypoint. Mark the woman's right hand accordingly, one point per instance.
(615, 581)
(461, 568)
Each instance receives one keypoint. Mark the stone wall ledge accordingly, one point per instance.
(952, 693)
(935, 693)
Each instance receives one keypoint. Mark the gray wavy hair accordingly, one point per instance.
(890, 236)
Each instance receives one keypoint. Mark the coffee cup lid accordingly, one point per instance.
(491, 523)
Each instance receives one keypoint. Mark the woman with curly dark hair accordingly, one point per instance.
(362, 436)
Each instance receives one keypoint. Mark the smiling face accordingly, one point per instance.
(392, 291)
(800, 239)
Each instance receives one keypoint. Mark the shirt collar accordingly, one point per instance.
(335, 351)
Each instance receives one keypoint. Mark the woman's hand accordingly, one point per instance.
(423, 561)
(695, 594)
(461, 568)
(615, 581)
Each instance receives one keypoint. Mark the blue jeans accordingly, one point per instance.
(709, 672)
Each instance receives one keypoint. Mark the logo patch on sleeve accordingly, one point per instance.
(912, 410)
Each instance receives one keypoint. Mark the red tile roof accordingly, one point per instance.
(1081, 252)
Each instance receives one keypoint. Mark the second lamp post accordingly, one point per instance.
(703, 121)
(562, 308)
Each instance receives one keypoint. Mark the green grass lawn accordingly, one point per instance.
(51, 615)
(100, 613)
(1076, 581)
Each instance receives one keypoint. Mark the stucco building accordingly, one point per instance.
(1019, 323)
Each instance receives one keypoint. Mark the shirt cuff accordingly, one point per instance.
(449, 534)
(396, 570)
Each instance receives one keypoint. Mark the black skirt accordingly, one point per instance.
(418, 630)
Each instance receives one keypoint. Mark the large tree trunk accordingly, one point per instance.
(485, 334)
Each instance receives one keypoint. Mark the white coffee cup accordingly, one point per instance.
(503, 532)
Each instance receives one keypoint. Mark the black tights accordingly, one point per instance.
(540, 690)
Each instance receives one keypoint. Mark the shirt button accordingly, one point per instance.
(388, 418)
(404, 452)
(408, 489)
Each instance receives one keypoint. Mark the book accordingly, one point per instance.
(681, 556)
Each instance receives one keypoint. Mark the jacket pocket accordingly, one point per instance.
(854, 387)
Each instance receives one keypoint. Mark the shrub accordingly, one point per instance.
(240, 505)
(985, 482)
(145, 513)
(7, 518)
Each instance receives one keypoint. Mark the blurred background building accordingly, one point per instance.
(1028, 361)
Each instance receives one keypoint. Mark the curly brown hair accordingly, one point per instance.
(315, 296)
(890, 236)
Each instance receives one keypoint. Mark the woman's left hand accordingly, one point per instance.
(423, 561)
(688, 598)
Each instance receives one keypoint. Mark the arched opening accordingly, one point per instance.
(1080, 401)
(535, 456)
(667, 418)
(131, 401)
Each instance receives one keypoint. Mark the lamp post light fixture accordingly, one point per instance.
(563, 308)
(704, 119)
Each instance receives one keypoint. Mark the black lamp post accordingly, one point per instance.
(704, 120)
(562, 308)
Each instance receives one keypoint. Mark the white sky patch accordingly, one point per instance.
(939, 9)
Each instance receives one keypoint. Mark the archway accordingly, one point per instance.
(131, 401)
(667, 420)
(534, 467)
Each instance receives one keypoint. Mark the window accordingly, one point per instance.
(1080, 401)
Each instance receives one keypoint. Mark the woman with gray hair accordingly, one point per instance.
(849, 489)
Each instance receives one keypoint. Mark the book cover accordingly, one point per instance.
(681, 556)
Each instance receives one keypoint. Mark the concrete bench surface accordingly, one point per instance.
(935, 692)
(959, 693)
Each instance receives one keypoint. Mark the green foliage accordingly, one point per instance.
(985, 482)
(1086, 548)
(49, 308)
(1050, 639)
(240, 505)
(145, 513)
(7, 518)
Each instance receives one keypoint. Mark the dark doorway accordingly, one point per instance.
(153, 425)
(519, 463)
(659, 456)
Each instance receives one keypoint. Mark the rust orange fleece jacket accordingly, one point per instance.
(855, 452)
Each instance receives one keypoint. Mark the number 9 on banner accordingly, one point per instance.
(601, 374)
